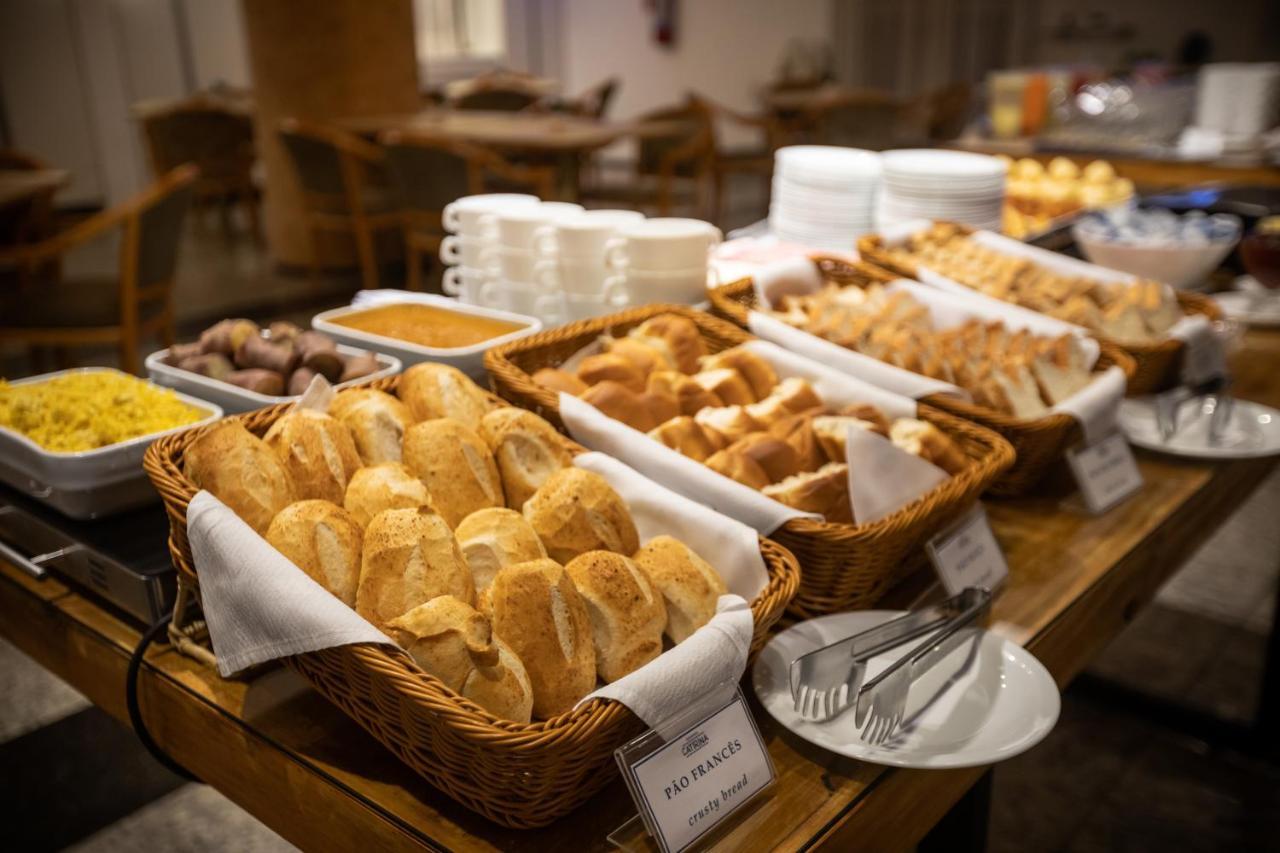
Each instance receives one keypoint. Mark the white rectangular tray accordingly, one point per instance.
(234, 399)
(88, 483)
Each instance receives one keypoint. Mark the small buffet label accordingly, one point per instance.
(699, 777)
(968, 555)
(1106, 472)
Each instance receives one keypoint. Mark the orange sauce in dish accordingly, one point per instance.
(427, 325)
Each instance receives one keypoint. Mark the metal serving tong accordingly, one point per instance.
(1214, 394)
(826, 681)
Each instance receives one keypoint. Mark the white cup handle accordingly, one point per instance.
(615, 253)
(450, 248)
(450, 284)
(544, 240)
(546, 276)
(489, 294)
(489, 258)
(550, 309)
(713, 277)
(614, 291)
(449, 217)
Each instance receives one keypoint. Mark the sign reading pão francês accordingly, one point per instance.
(699, 777)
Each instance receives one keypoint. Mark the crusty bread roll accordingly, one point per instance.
(759, 373)
(645, 356)
(732, 422)
(738, 466)
(681, 335)
(324, 541)
(433, 390)
(627, 612)
(390, 485)
(410, 557)
(622, 404)
(377, 422)
(690, 397)
(456, 466)
(318, 451)
(687, 436)
(688, 584)
(449, 639)
(778, 459)
(928, 442)
(869, 413)
(768, 411)
(727, 384)
(526, 449)
(240, 470)
(576, 511)
(797, 431)
(797, 394)
(535, 608)
(494, 538)
(832, 432)
(555, 379)
(824, 491)
(612, 367)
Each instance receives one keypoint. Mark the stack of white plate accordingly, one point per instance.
(953, 185)
(823, 195)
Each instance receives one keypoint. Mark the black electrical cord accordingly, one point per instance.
(135, 711)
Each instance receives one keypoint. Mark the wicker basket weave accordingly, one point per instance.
(1157, 366)
(1039, 443)
(517, 774)
(844, 566)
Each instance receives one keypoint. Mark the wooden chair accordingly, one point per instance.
(754, 160)
(675, 162)
(496, 100)
(427, 172)
(593, 103)
(40, 311)
(218, 140)
(31, 219)
(858, 119)
(345, 189)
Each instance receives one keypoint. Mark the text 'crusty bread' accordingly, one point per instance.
(318, 451)
(432, 390)
(377, 422)
(240, 470)
(456, 466)
(410, 557)
(627, 611)
(576, 511)
(689, 585)
(449, 639)
(535, 608)
(390, 485)
(324, 541)
(494, 538)
(526, 448)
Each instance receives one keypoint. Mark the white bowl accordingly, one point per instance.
(1179, 266)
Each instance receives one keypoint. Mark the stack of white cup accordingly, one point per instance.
(571, 273)
(472, 227)
(510, 258)
(661, 260)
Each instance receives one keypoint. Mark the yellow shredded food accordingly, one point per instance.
(84, 411)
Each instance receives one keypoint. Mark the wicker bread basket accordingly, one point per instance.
(1039, 443)
(517, 774)
(1157, 366)
(843, 566)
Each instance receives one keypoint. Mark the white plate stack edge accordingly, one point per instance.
(930, 184)
(823, 196)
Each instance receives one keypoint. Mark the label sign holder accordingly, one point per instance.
(967, 554)
(1106, 472)
(691, 774)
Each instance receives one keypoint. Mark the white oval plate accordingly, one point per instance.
(1238, 305)
(985, 702)
(1252, 432)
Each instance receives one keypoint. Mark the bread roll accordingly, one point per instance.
(240, 470)
(432, 390)
(739, 467)
(612, 367)
(526, 449)
(390, 485)
(535, 608)
(456, 466)
(318, 451)
(576, 511)
(688, 584)
(687, 436)
(626, 610)
(555, 379)
(825, 491)
(622, 404)
(869, 413)
(759, 373)
(324, 541)
(644, 356)
(377, 422)
(797, 431)
(690, 397)
(797, 394)
(449, 639)
(768, 411)
(928, 442)
(732, 422)
(832, 434)
(727, 384)
(681, 335)
(410, 557)
(494, 538)
(778, 459)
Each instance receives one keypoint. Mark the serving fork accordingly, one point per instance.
(824, 682)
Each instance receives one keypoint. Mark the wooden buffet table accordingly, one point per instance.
(303, 768)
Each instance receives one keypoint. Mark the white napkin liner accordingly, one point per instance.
(882, 482)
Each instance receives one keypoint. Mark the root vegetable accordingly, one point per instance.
(227, 336)
(283, 330)
(360, 365)
(179, 353)
(299, 380)
(260, 352)
(257, 379)
(215, 365)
